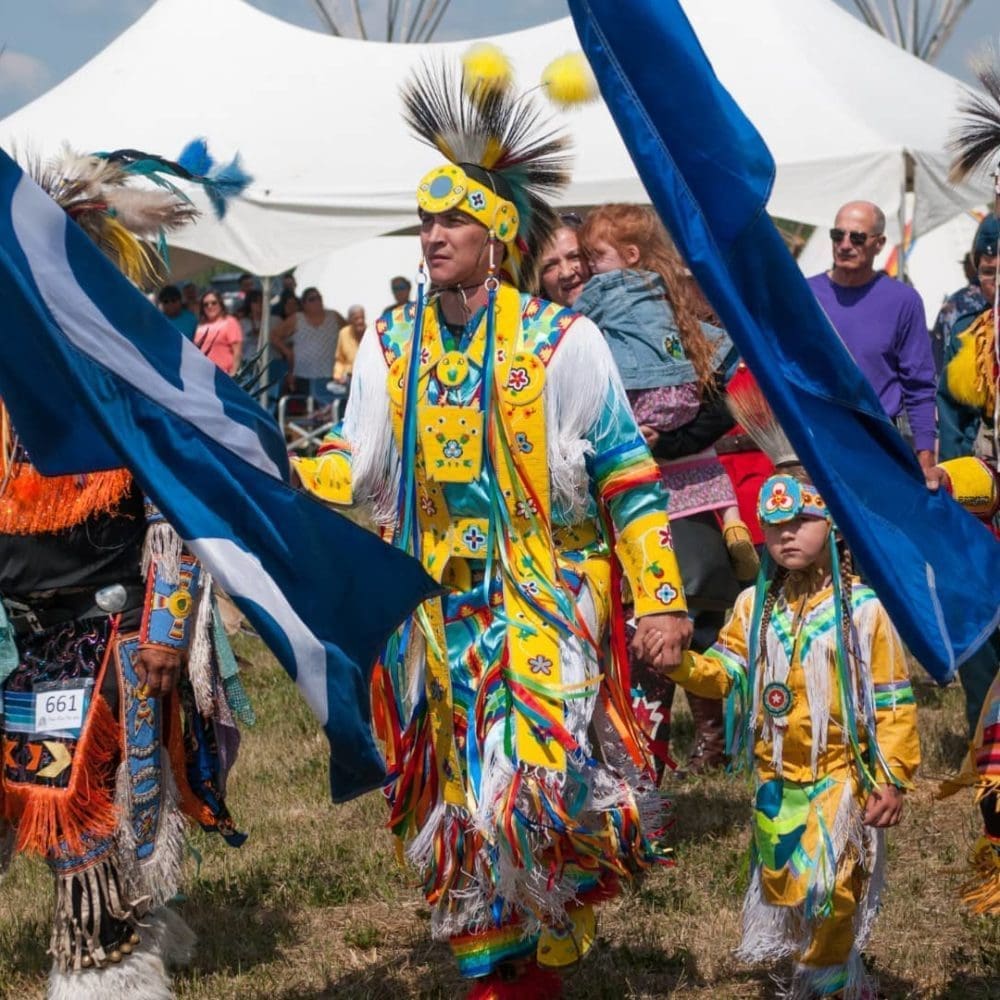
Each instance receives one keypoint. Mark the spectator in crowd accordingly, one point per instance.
(287, 288)
(881, 322)
(563, 266)
(172, 306)
(250, 323)
(347, 344)
(288, 305)
(401, 289)
(189, 296)
(959, 425)
(279, 375)
(308, 343)
(219, 335)
(247, 284)
(642, 299)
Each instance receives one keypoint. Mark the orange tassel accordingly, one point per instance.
(33, 503)
(48, 817)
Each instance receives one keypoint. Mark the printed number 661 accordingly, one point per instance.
(55, 704)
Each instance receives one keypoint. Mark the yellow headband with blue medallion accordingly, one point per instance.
(449, 186)
(784, 498)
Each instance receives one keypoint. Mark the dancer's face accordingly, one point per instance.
(455, 248)
(988, 277)
(799, 543)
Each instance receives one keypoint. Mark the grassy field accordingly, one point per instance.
(314, 905)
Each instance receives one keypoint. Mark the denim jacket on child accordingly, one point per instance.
(632, 312)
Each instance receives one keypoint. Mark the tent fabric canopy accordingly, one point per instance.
(317, 118)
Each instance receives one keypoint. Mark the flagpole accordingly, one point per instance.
(901, 270)
(264, 333)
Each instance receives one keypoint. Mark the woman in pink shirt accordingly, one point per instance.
(219, 335)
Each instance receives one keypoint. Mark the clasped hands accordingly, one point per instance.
(660, 640)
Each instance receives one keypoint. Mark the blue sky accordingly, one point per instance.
(38, 54)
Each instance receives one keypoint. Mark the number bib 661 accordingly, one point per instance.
(61, 707)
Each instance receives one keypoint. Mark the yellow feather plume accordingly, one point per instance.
(569, 80)
(969, 374)
(487, 69)
(134, 259)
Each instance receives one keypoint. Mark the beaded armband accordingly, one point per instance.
(166, 615)
(152, 512)
(172, 579)
(647, 556)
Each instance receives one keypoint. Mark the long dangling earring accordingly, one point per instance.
(492, 283)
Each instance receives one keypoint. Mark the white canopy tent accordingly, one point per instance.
(317, 120)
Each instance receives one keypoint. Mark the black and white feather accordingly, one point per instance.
(976, 141)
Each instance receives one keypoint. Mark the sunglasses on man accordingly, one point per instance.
(857, 239)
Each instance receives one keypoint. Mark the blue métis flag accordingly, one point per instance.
(935, 568)
(96, 378)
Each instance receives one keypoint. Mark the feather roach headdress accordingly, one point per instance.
(977, 138)
(127, 220)
(782, 496)
(753, 412)
(505, 158)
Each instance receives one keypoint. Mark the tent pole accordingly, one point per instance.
(901, 275)
(264, 333)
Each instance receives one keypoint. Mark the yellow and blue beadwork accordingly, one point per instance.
(784, 498)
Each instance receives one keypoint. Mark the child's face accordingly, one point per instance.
(603, 257)
(799, 543)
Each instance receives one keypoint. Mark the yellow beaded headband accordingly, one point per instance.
(449, 186)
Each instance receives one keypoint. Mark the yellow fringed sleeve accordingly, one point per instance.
(971, 375)
(895, 705)
(651, 567)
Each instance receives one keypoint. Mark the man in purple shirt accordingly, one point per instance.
(881, 321)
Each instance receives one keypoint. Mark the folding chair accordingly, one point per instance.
(304, 431)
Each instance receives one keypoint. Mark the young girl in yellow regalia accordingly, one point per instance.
(820, 705)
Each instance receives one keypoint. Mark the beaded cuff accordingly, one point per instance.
(166, 616)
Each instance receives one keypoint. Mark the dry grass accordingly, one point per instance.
(314, 905)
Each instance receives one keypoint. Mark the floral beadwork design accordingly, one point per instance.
(541, 665)
(518, 379)
(474, 538)
(666, 593)
(526, 508)
(780, 499)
